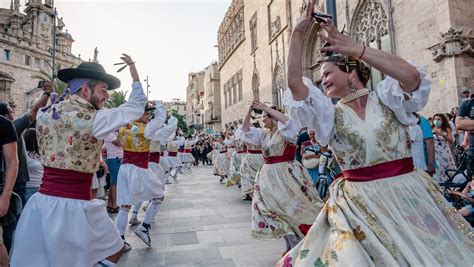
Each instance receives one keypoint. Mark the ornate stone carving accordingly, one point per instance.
(275, 27)
(453, 43)
(278, 84)
(232, 31)
(370, 23)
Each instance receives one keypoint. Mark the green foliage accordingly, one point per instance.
(59, 86)
(181, 121)
(116, 99)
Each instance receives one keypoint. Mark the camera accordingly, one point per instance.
(41, 84)
(257, 111)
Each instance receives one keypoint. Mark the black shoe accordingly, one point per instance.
(248, 198)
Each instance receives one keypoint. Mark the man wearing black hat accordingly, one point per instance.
(61, 225)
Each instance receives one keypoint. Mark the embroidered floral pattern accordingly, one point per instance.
(68, 143)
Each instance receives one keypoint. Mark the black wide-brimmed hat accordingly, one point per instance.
(89, 70)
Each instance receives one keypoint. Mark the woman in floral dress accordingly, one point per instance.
(251, 163)
(443, 137)
(235, 161)
(220, 159)
(284, 202)
(382, 212)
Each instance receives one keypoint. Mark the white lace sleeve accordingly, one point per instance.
(289, 130)
(109, 120)
(161, 133)
(253, 136)
(315, 112)
(402, 103)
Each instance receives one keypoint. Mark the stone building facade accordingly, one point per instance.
(176, 104)
(194, 101)
(253, 41)
(212, 98)
(25, 50)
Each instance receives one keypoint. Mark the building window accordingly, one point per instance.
(233, 88)
(27, 60)
(253, 32)
(278, 87)
(255, 86)
(6, 54)
(369, 26)
(37, 63)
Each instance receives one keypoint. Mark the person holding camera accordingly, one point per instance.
(284, 203)
(383, 212)
(8, 174)
(61, 225)
(21, 124)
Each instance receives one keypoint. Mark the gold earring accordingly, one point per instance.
(353, 89)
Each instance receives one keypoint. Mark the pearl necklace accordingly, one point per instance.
(354, 95)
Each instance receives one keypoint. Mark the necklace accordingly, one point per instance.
(354, 95)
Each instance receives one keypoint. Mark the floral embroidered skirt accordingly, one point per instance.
(222, 164)
(397, 221)
(284, 201)
(251, 163)
(234, 168)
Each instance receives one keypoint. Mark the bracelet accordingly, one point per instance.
(48, 94)
(131, 63)
(361, 54)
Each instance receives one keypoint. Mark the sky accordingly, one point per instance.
(166, 38)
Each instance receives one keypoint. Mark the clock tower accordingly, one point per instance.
(41, 15)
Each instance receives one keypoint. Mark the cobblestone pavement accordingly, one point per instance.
(201, 223)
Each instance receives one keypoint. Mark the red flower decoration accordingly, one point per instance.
(261, 225)
(69, 140)
(52, 158)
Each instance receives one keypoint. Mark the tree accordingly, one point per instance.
(181, 122)
(59, 86)
(116, 99)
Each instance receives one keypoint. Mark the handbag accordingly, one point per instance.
(310, 163)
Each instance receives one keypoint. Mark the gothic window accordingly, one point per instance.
(253, 32)
(6, 54)
(278, 87)
(239, 84)
(369, 26)
(27, 60)
(233, 88)
(225, 96)
(255, 86)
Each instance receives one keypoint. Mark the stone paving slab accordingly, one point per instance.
(201, 223)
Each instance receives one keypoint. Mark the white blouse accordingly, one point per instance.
(382, 136)
(317, 110)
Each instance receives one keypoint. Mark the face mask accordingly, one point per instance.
(437, 123)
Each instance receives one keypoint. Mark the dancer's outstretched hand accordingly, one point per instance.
(339, 43)
(131, 64)
(306, 17)
(259, 105)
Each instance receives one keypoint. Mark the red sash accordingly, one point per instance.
(155, 157)
(241, 152)
(181, 150)
(139, 159)
(250, 151)
(162, 153)
(222, 152)
(172, 154)
(66, 183)
(288, 155)
(380, 171)
(188, 151)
